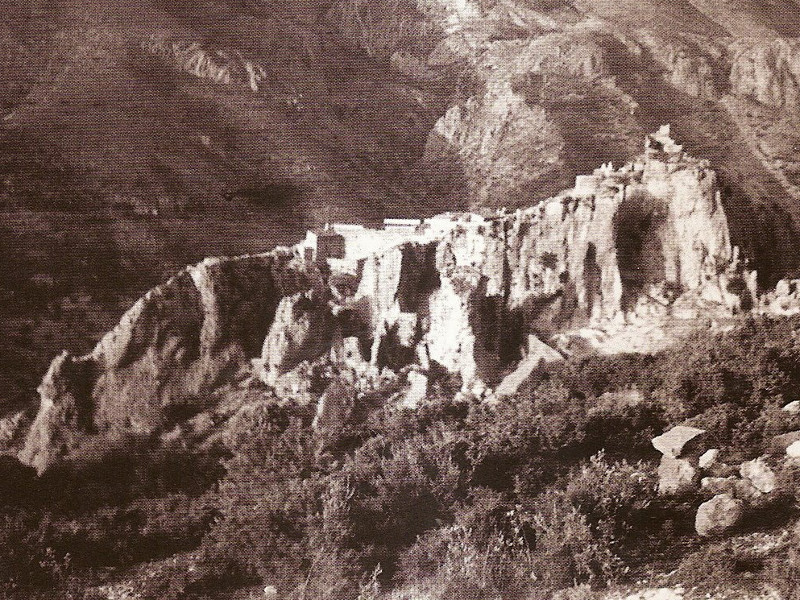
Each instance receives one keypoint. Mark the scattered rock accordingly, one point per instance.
(708, 459)
(270, 592)
(781, 442)
(417, 389)
(759, 473)
(676, 476)
(793, 407)
(744, 490)
(678, 441)
(718, 515)
(538, 354)
(793, 450)
(722, 469)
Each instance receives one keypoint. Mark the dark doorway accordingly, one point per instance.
(640, 255)
(592, 280)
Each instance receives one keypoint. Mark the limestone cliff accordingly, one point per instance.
(505, 139)
(169, 351)
(619, 242)
(461, 294)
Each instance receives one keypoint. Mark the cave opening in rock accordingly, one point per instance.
(592, 280)
(640, 256)
(392, 352)
(418, 276)
(501, 333)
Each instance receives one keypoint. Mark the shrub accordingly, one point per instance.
(267, 500)
(614, 497)
(783, 571)
(464, 564)
(696, 569)
(398, 490)
(566, 549)
(752, 366)
(531, 439)
(624, 431)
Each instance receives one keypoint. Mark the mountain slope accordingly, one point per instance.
(135, 126)
(174, 104)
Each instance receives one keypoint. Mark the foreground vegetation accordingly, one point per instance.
(549, 490)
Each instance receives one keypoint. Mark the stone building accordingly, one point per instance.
(322, 244)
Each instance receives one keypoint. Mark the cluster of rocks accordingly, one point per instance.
(689, 467)
(783, 301)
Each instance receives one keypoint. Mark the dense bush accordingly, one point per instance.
(516, 498)
(783, 569)
(613, 497)
(500, 498)
(129, 507)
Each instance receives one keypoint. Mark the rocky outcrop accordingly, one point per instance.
(679, 441)
(782, 301)
(461, 295)
(767, 71)
(503, 141)
(169, 351)
(302, 330)
(621, 241)
(550, 93)
(538, 353)
(687, 67)
(217, 65)
(676, 476)
(759, 474)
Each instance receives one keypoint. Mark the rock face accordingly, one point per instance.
(554, 89)
(302, 329)
(538, 353)
(793, 450)
(708, 459)
(461, 294)
(168, 352)
(621, 240)
(759, 474)
(767, 71)
(718, 485)
(718, 516)
(505, 140)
